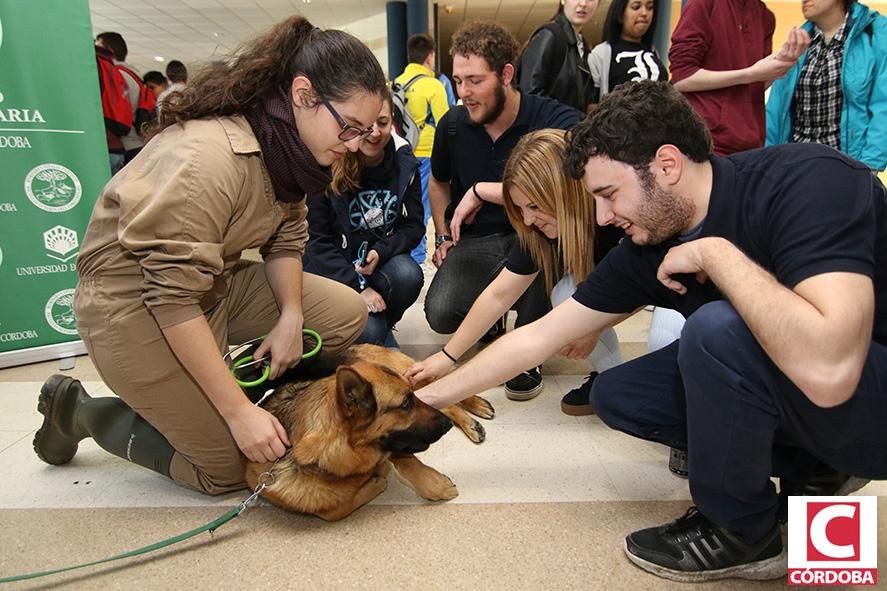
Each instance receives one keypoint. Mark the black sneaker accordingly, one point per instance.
(525, 385)
(692, 549)
(577, 402)
(825, 482)
(496, 331)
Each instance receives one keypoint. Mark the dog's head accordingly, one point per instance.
(382, 409)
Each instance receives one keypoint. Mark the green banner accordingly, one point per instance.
(53, 164)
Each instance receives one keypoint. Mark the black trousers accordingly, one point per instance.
(717, 394)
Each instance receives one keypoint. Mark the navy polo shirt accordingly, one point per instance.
(797, 210)
(464, 154)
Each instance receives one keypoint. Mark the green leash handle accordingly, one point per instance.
(266, 371)
(249, 360)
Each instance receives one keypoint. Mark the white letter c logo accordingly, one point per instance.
(819, 537)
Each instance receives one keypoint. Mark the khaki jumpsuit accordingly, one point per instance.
(163, 246)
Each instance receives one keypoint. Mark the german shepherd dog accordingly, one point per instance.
(350, 418)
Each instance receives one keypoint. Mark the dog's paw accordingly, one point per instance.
(479, 407)
(475, 432)
(439, 488)
(377, 485)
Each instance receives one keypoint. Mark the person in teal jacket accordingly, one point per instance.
(844, 102)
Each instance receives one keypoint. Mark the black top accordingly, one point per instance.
(373, 209)
(631, 62)
(798, 210)
(552, 64)
(519, 261)
(464, 154)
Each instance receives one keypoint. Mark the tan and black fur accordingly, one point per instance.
(350, 422)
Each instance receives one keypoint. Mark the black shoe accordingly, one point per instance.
(678, 463)
(825, 482)
(692, 549)
(577, 402)
(57, 439)
(496, 331)
(525, 385)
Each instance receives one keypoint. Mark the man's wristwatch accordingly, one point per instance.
(440, 239)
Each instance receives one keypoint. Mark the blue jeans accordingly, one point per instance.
(419, 253)
(717, 394)
(468, 269)
(116, 161)
(399, 282)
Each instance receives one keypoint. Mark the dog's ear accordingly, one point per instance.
(355, 393)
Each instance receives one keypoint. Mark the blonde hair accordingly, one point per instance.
(346, 170)
(536, 168)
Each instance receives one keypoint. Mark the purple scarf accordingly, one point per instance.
(293, 169)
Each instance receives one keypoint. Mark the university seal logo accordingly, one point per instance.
(61, 243)
(59, 312)
(53, 188)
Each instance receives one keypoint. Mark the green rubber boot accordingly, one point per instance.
(57, 439)
(71, 415)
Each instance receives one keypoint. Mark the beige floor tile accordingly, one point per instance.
(528, 463)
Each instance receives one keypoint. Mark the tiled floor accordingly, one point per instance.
(533, 454)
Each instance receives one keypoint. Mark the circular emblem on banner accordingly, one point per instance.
(1, 257)
(59, 312)
(53, 188)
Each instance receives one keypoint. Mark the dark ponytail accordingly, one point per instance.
(337, 64)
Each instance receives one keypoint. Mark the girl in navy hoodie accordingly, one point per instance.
(362, 231)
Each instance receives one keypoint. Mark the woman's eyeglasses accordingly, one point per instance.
(349, 132)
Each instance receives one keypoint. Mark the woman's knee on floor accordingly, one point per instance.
(221, 472)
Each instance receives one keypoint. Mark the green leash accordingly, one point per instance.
(210, 527)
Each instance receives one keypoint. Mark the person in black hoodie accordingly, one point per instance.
(373, 208)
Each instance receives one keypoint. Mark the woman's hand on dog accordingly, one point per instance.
(258, 434)
(284, 342)
(432, 368)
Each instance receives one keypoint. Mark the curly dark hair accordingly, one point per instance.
(337, 63)
(491, 41)
(632, 122)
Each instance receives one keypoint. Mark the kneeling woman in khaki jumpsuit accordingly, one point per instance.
(162, 288)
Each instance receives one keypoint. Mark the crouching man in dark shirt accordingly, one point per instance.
(778, 259)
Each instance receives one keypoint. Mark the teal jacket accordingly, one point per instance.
(864, 84)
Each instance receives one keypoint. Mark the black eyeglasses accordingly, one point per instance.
(349, 132)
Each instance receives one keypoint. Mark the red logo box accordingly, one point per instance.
(832, 541)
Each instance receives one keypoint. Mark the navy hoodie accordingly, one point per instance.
(337, 224)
